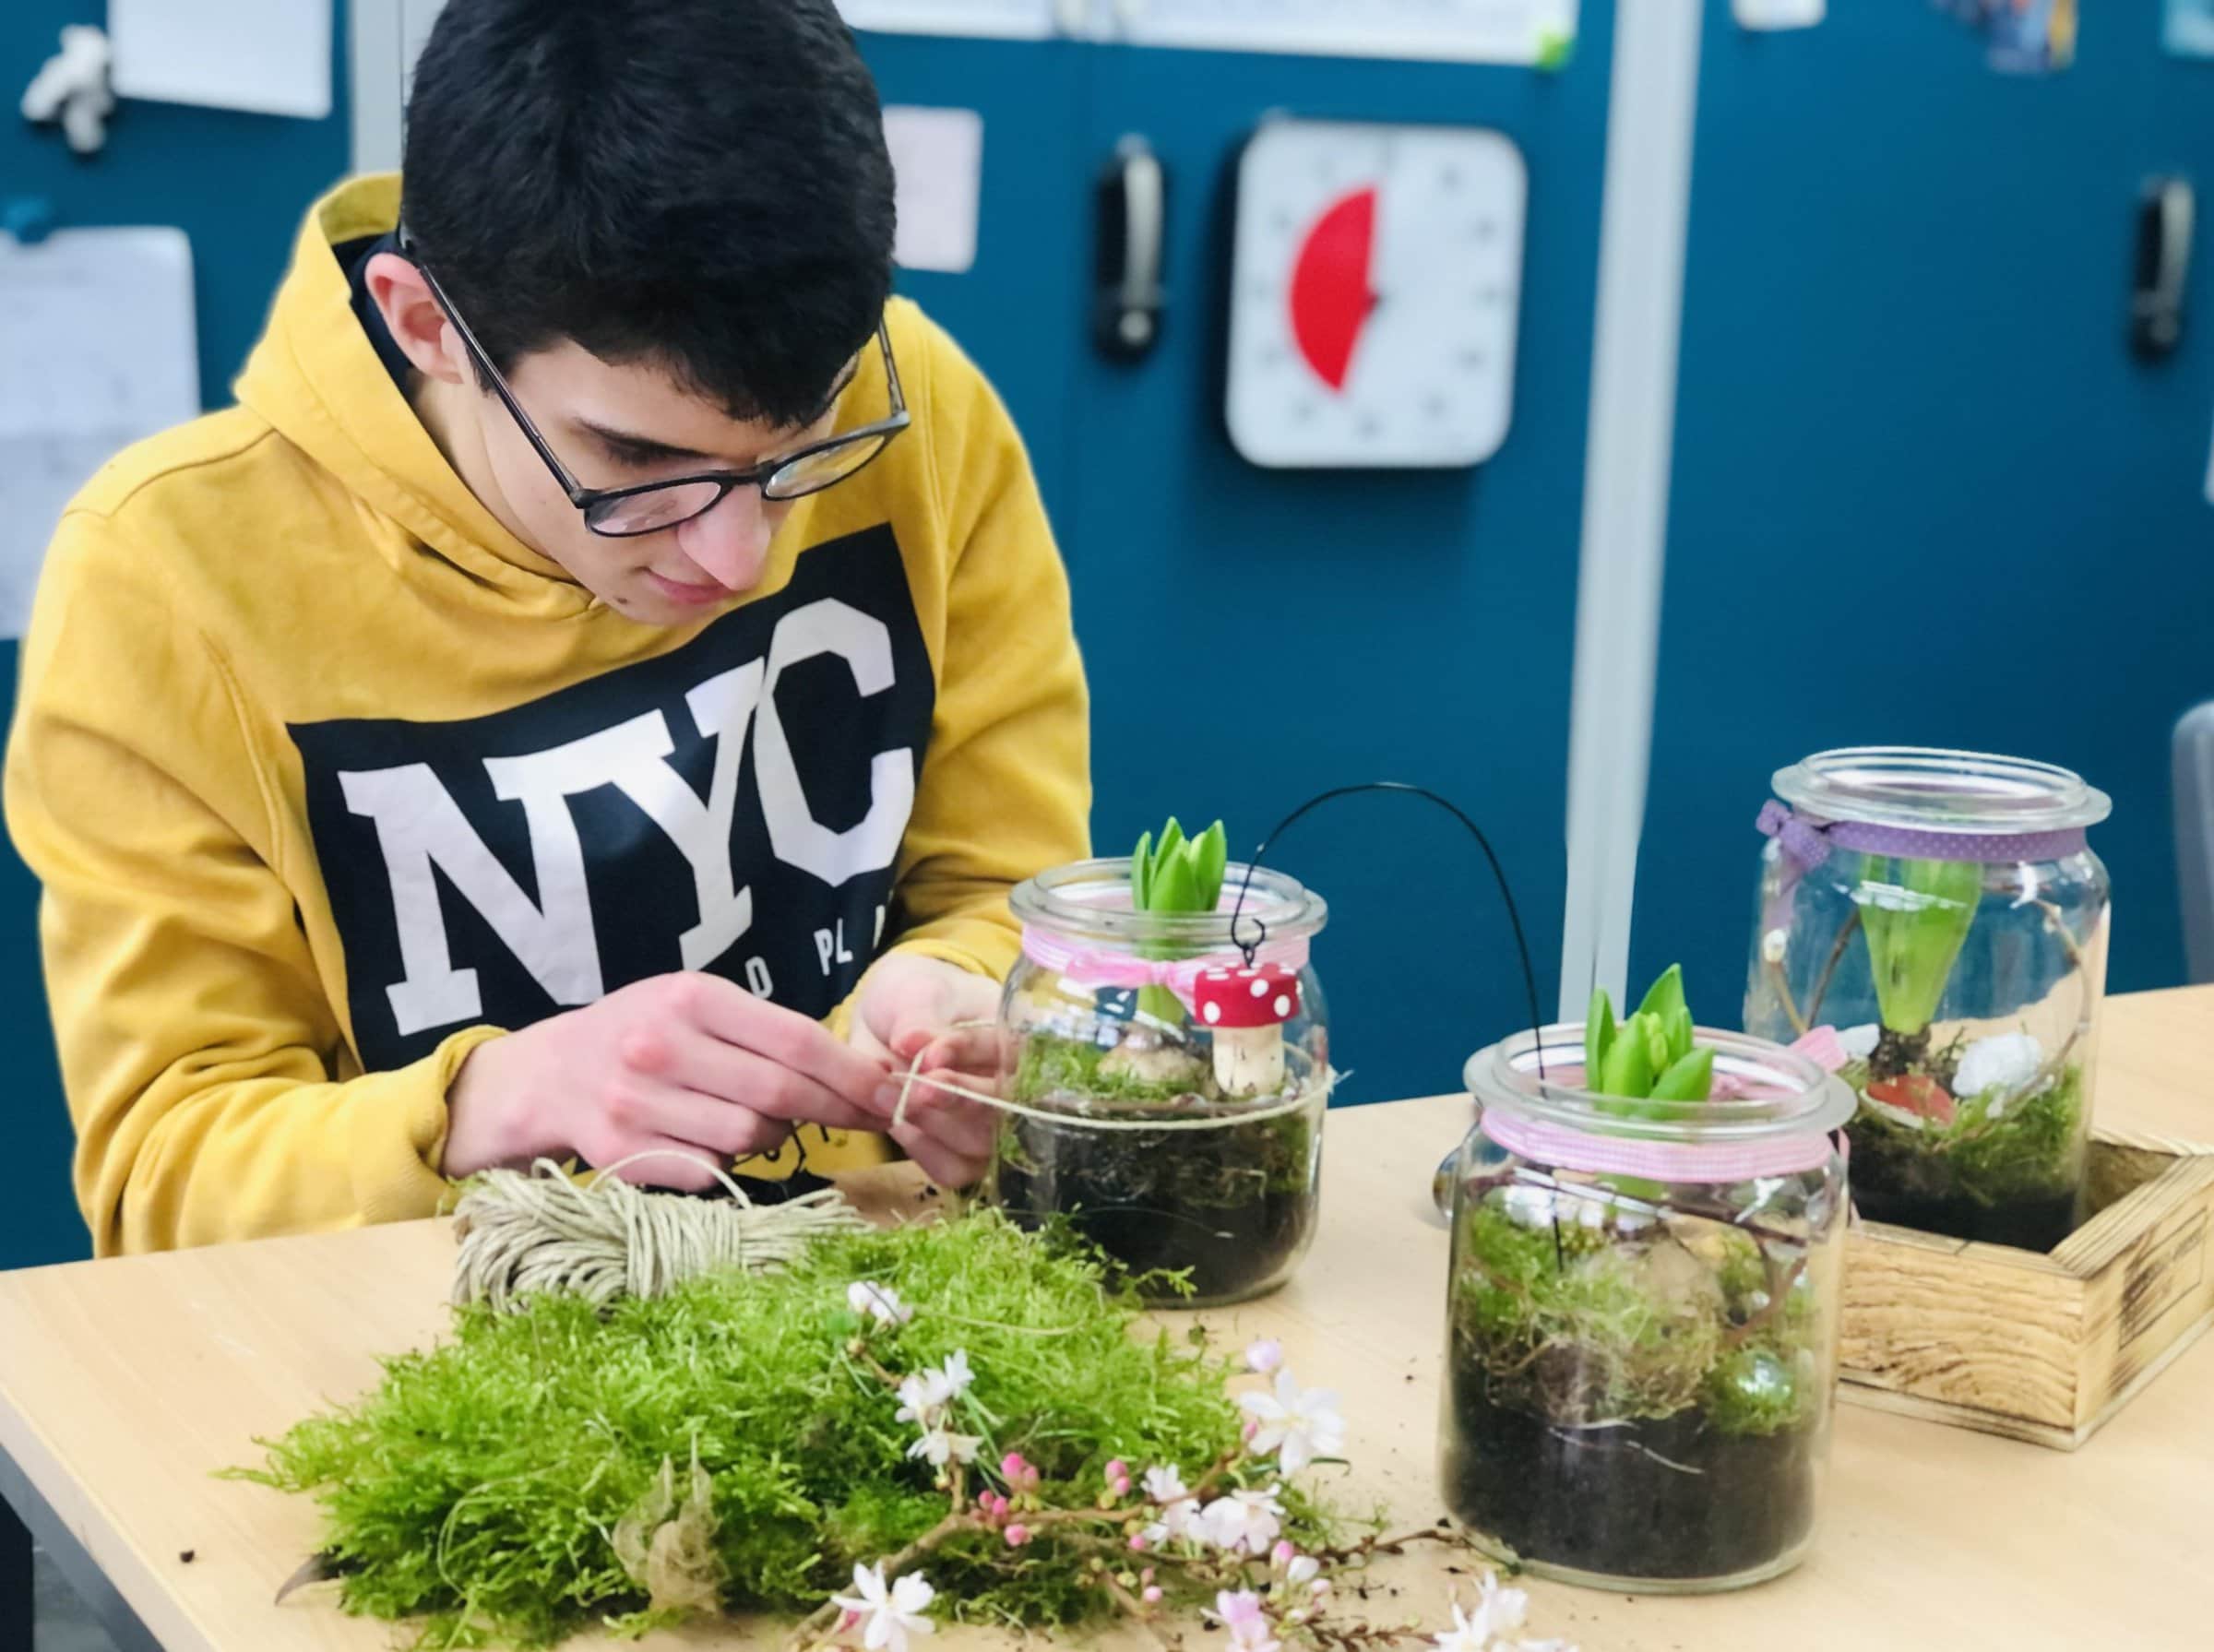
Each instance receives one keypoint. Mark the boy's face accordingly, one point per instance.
(615, 426)
(611, 426)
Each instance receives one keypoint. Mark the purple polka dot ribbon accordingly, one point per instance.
(1091, 967)
(1807, 843)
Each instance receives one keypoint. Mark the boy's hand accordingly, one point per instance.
(914, 1006)
(690, 1063)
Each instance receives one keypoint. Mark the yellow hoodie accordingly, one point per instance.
(329, 779)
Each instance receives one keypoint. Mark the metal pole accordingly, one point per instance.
(1651, 107)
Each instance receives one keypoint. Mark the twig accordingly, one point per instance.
(1783, 992)
(1135, 1610)
(1837, 954)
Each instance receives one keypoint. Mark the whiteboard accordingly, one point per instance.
(1454, 30)
(994, 20)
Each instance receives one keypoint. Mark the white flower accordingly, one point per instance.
(1302, 1423)
(1465, 1635)
(880, 1301)
(1303, 1569)
(1244, 1522)
(1859, 1042)
(1263, 1356)
(1179, 1508)
(921, 1397)
(1497, 1611)
(891, 1614)
(2009, 1063)
(1501, 1608)
(925, 1394)
(1773, 945)
(941, 1446)
(1242, 1614)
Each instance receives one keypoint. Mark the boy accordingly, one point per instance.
(609, 641)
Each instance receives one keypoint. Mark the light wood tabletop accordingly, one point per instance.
(125, 1385)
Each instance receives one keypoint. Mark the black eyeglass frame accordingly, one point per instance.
(588, 500)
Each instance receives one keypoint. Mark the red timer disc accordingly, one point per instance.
(1331, 293)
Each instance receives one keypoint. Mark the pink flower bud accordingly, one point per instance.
(1152, 1595)
(1146, 1576)
(1322, 1587)
(847, 1619)
(1282, 1555)
(1253, 1427)
(1138, 1542)
(1118, 1470)
(1018, 1535)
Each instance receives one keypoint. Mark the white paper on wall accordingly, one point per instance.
(938, 156)
(96, 328)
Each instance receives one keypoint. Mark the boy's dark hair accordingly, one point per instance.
(699, 183)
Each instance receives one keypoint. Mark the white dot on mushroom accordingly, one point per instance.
(1213, 1012)
(1260, 988)
(1283, 1006)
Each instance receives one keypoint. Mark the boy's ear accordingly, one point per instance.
(415, 319)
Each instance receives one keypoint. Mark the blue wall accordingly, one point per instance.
(1922, 493)
(238, 185)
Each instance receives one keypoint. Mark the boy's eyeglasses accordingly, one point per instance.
(623, 512)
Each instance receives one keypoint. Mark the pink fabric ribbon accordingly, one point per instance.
(1096, 967)
(1687, 1161)
(1682, 1162)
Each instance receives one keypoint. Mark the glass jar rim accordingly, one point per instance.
(1804, 1098)
(1091, 899)
(1930, 789)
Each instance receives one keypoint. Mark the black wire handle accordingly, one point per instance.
(1514, 917)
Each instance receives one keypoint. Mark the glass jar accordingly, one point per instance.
(1942, 914)
(1167, 1093)
(1641, 1320)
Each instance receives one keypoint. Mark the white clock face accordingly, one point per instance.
(1374, 289)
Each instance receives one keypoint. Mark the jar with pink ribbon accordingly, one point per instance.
(1941, 915)
(1642, 1315)
(1165, 1080)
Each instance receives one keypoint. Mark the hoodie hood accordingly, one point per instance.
(315, 378)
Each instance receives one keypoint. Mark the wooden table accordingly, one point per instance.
(123, 1384)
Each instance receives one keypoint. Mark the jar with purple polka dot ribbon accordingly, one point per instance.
(1940, 919)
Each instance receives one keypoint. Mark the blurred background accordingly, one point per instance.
(1941, 414)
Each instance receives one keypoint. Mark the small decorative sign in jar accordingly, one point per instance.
(1942, 911)
(1642, 1314)
(1167, 1089)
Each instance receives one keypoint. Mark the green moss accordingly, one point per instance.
(478, 1487)
(1069, 1067)
(1589, 1324)
(1756, 1389)
(2032, 1150)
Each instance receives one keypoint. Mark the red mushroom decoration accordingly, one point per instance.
(1246, 1009)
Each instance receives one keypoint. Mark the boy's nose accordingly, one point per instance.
(731, 543)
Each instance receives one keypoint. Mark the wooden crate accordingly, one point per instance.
(2034, 1347)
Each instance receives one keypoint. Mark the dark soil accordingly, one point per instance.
(1229, 1207)
(1599, 1500)
(2036, 1224)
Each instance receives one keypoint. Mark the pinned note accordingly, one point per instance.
(269, 57)
(96, 328)
(938, 160)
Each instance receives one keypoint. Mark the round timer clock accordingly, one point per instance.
(1374, 283)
